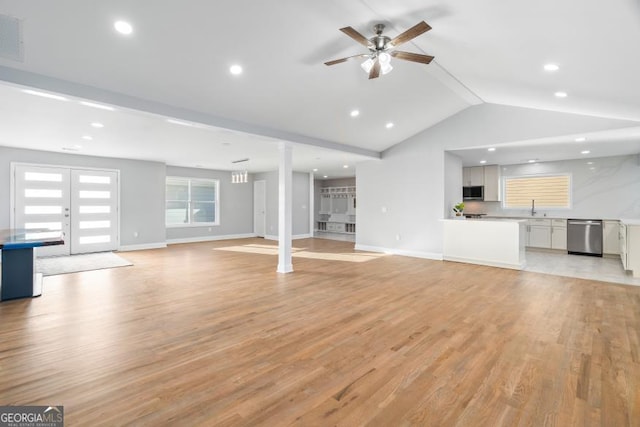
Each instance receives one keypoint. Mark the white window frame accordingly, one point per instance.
(554, 208)
(190, 179)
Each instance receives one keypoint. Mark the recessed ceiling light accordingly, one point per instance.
(77, 146)
(585, 152)
(551, 67)
(87, 137)
(94, 105)
(355, 113)
(123, 27)
(483, 162)
(389, 125)
(236, 70)
(581, 139)
(45, 95)
(589, 163)
(532, 161)
(560, 94)
(592, 168)
(345, 166)
(97, 125)
(315, 170)
(491, 149)
(325, 176)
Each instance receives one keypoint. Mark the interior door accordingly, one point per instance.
(94, 211)
(42, 205)
(259, 208)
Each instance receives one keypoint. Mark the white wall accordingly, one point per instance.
(142, 188)
(236, 207)
(409, 182)
(300, 203)
(452, 183)
(611, 190)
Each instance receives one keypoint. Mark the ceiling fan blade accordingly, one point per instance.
(415, 31)
(375, 70)
(414, 57)
(338, 61)
(356, 36)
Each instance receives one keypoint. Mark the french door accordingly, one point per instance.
(82, 203)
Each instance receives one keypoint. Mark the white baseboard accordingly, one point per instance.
(487, 263)
(142, 247)
(403, 252)
(294, 237)
(210, 238)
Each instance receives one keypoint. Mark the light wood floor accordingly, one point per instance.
(202, 335)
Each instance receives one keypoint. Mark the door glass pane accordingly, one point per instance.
(36, 192)
(38, 176)
(42, 210)
(94, 179)
(87, 194)
(87, 225)
(42, 235)
(94, 209)
(41, 225)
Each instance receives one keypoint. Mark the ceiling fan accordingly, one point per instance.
(381, 49)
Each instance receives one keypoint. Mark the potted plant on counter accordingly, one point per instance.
(458, 210)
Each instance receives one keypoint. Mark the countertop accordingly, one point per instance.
(549, 217)
(630, 221)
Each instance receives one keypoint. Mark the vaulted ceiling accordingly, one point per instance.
(176, 64)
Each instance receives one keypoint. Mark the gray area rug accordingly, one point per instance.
(74, 263)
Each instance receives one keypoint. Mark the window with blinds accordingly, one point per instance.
(549, 191)
(191, 201)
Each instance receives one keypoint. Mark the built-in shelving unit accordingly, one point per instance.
(337, 212)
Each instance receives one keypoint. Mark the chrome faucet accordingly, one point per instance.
(533, 207)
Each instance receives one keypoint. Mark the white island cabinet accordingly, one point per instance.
(630, 245)
(493, 242)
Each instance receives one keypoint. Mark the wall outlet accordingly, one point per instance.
(384, 209)
(398, 238)
(135, 234)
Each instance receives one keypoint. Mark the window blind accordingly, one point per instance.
(549, 191)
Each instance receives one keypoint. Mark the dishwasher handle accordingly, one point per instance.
(597, 223)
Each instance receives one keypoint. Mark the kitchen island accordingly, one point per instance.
(492, 242)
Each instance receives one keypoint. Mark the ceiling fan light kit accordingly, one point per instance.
(381, 49)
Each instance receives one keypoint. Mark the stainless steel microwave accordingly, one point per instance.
(475, 192)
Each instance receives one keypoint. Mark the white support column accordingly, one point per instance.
(285, 211)
(312, 207)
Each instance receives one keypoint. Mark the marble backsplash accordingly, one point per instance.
(602, 188)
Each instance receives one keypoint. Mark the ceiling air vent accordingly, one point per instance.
(10, 38)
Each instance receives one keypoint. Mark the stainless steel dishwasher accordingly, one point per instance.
(584, 237)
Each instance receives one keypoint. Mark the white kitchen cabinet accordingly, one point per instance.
(611, 238)
(539, 236)
(492, 183)
(559, 234)
(473, 176)
(539, 233)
